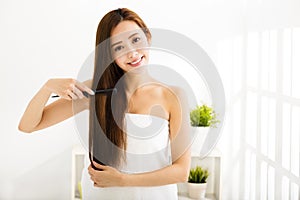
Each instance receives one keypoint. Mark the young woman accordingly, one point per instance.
(126, 161)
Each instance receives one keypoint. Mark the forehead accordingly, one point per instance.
(124, 26)
(124, 29)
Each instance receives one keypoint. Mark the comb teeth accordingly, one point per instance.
(85, 94)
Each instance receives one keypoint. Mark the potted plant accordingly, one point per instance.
(204, 116)
(201, 118)
(197, 182)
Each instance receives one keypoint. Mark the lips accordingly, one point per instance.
(136, 62)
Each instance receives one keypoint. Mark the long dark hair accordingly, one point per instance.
(107, 141)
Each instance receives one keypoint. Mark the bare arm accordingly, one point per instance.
(175, 173)
(38, 116)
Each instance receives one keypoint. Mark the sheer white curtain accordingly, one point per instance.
(261, 72)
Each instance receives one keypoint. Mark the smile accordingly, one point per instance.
(136, 62)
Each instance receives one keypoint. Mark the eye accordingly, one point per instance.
(136, 39)
(118, 48)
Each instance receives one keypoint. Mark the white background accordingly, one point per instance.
(45, 39)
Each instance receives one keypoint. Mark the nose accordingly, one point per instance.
(132, 54)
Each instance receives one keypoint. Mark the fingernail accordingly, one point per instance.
(95, 163)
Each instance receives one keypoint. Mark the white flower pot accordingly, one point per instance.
(198, 136)
(197, 190)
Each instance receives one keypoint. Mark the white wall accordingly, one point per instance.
(44, 39)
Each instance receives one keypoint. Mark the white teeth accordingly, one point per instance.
(133, 63)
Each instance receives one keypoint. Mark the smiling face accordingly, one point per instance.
(128, 43)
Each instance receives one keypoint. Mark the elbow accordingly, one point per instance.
(183, 175)
(24, 129)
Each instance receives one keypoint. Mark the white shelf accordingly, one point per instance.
(212, 162)
(78, 154)
(185, 196)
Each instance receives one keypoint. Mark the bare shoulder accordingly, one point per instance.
(169, 93)
(163, 91)
(172, 97)
(175, 93)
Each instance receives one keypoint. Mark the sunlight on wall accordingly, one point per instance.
(263, 93)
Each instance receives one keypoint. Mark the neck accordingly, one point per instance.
(136, 78)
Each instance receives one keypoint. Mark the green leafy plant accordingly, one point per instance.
(203, 116)
(198, 175)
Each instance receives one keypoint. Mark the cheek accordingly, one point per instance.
(120, 62)
(146, 52)
(117, 61)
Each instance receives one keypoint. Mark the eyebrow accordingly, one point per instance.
(128, 38)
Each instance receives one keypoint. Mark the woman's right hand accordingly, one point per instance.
(38, 116)
(68, 88)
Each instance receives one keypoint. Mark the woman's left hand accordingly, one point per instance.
(108, 177)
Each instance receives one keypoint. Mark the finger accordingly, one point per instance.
(71, 94)
(91, 171)
(99, 185)
(78, 92)
(96, 185)
(83, 87)
(67, 97)
(64, 95)
(93, 179)
(99, 166)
